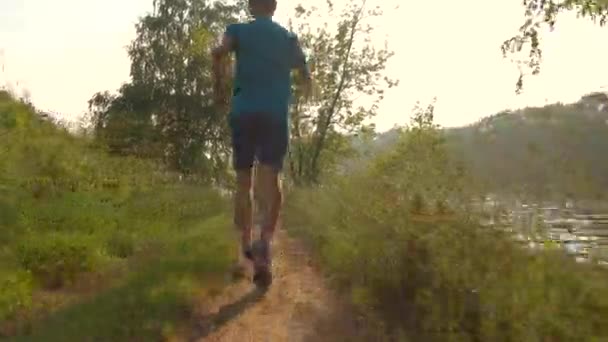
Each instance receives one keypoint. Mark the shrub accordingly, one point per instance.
(72, 213)
(66, 205)
(121, 244)
(452, 279)
(55, 260)
(438, 279)
(15, 292)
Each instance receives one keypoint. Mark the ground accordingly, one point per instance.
(298, 307)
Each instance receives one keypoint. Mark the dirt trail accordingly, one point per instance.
(298, 307)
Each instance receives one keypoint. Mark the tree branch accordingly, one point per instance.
(331, 110)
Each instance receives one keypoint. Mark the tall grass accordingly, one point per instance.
(71, 212)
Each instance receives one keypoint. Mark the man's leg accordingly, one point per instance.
(242, 208)
(258, 202)
(243, 145)
(272, 197)
(272, 152)
(271, 201)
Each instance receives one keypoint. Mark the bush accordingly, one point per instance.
(159, 294)
(429, 278)
(55, 260)
(182, 202)
(68, 207)
(121, 244)
(455, 279)
(15, 292)
(78, 212)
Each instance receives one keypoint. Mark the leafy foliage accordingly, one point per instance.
(345, 65)
(155, 300)
(396, 234)
(546, 153)
(70, 212)
(428, 276)
(541, 14)
(166, 111)
(54, 260)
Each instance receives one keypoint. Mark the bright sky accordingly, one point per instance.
(63, 51)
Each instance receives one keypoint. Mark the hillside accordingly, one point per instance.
(547, 151)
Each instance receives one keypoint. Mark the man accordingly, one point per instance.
(266, 53)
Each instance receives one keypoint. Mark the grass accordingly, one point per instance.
(153, 301)
(94, 246)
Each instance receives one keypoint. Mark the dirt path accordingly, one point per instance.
(297, 308)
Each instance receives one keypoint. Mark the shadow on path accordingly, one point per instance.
(207, 324)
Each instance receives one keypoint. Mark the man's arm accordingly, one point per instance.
(219, 54)
(301, 65)
(299, 58)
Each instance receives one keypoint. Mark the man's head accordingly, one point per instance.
(264, 8)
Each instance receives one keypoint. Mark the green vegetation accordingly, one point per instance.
(112, 234)
(525, 47)
(98, 245)
(548, 152)
(155, 300)
(397, 236)
(345, 66)
(125, 209)
(165, 111)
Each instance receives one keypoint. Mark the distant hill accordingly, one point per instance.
(552, 150)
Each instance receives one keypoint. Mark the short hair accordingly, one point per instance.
(268, 2)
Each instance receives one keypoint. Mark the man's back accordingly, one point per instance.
(265, 54)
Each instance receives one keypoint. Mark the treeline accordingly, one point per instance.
(553, 152)
(166, 111)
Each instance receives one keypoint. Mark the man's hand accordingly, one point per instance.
(304, 77)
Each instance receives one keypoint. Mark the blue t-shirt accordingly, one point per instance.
(266, 53)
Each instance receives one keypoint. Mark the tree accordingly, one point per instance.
(419, 169)
(345, 66)
(169, 99)
(543, 153)
(543, 14)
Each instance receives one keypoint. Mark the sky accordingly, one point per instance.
(63, 51)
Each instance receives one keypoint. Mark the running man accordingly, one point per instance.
(266, 53)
